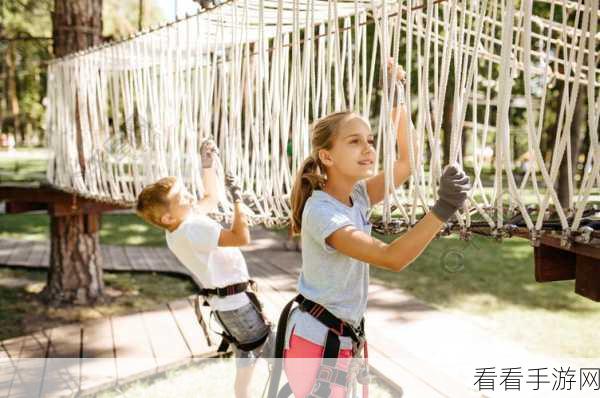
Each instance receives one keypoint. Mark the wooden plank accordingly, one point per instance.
(135, 258)
(190, 328)
(119, 258)
(587, 281)
(98, 365)
(24, 253)
(45, 256)
(170, 262)
(391, 372)
(134, 355)
(36, 259)
(6, 246)
(7, 373)
(28, 354)
(168, 345)
(153, 259)
(16, 252)
(553, 264)
(61, 374)
(107, 261)
(147, 259)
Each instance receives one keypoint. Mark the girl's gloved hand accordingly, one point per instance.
(454, 186)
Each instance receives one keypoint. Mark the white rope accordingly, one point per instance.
(254, 74)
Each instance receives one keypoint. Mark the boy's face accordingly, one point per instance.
(180, 202)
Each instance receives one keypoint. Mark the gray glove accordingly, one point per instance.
(207, 152)
(233, 188)
(454, 186)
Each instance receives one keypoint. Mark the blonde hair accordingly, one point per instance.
(152, 202)
(311, 175)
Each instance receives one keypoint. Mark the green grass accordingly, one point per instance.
(116, 229)
(494, 282)
(210, 378)
(23, 312)
(22, 169)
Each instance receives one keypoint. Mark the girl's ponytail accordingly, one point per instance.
(308, 179)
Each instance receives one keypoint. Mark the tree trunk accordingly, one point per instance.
(575, 132)
(76, 25)
(11, 90)
(2, 76)
(75, 274)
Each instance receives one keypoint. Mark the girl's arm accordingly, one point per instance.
(400, 120)
(394, 256)
(397, 255)
(239, 233)
(376, 184)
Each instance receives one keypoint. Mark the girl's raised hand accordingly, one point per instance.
(400, 73)
(454, 186)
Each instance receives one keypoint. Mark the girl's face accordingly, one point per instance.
(352, 153)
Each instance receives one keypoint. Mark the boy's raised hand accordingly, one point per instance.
(232, 186)
(454, 186)
(207, 152)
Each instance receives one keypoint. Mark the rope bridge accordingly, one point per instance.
(254, 74)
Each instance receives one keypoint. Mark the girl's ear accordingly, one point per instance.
(325, 157)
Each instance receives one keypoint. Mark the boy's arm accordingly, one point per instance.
(210, 200)
(239, 233)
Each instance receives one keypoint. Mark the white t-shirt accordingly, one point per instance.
(195, 244)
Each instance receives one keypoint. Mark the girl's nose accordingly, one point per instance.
(369, 148)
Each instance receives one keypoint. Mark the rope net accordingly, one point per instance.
(254, 74)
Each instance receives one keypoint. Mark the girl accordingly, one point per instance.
(331, 196)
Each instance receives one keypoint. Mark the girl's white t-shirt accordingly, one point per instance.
(196, 244)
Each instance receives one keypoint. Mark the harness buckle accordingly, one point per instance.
(253, 286)
(325, 373)
(339, 332)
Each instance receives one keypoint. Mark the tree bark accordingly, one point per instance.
(11, 90)
(75, 274)
(76, 25)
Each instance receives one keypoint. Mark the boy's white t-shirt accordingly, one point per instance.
(195, 244)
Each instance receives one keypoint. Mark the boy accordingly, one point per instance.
(211, 253)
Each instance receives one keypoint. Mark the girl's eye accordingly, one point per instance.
(354, 141)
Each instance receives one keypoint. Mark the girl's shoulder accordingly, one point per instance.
(318, 201)
(360, 196)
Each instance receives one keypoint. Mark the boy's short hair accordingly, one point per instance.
(152, 202)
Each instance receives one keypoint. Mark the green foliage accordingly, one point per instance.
(32, 19)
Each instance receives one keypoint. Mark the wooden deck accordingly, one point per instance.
(36, 254)
(86, 358)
